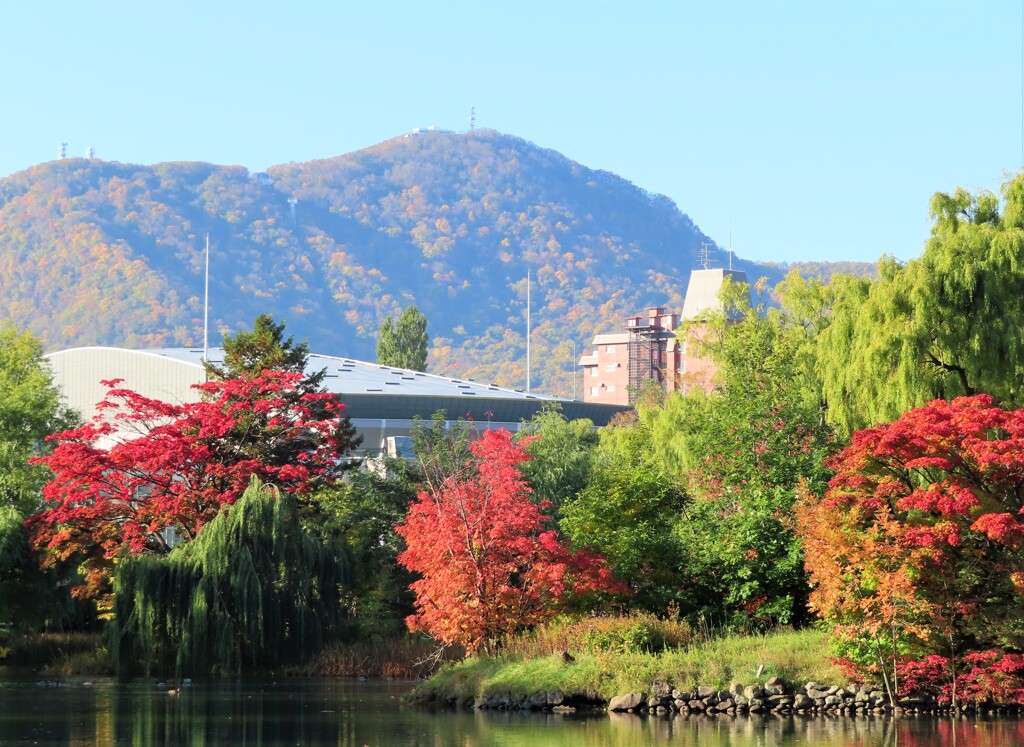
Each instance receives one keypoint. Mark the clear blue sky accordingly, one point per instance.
(814, 130)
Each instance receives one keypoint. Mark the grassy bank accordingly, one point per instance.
(400, 657)
(600, 674)
(61, 654)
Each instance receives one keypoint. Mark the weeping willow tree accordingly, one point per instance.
(252, 590)
(943, 325)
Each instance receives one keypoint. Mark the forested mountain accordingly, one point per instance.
(96, 252)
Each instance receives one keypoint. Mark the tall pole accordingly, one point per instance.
(527, 331)
(206, 304)
(574, 374)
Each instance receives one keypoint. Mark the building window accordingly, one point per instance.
(610, 367)
(593, 371)
(594, 391)
(610, 388)
(609, 349)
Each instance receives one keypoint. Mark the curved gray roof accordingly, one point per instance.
(344, 375)
(369, 390)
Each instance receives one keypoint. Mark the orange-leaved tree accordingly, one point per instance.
(487, 566)
(915, 551)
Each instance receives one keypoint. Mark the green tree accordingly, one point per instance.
(30, 599)
(248, 354)
(741, 452)
(560, 452)
(254, 589)
(944, 325)
(30, 410)
(442, 450)
(264, 348)
(762, 428)
(404, 345)
(628, 512)
(361, 513)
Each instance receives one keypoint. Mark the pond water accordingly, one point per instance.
(346, 713)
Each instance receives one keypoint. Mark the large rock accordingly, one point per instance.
(539, 701)
(555, 697)
(661, 690)
(801, 701)
(627, 702)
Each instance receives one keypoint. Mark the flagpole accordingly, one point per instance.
(528, 331)
(206, 305)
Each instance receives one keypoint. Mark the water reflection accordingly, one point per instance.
(342, 713)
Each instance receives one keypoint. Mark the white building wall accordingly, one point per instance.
(79, 371)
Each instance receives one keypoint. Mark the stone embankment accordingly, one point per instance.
(774, 697)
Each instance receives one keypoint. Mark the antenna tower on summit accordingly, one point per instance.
(62, 152)
(472, 118)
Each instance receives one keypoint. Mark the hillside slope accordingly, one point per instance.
(95, 252)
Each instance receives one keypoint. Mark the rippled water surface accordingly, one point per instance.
(345, 713)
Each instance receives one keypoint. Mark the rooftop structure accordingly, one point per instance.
(653, 346)
(702, 291)
(431, 130)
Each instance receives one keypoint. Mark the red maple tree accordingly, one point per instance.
(488, 568)
(144, 470)
(916, 548)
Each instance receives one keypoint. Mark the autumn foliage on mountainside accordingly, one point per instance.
(142, 466)
(916, 549)
(487, 566)
(100, 252)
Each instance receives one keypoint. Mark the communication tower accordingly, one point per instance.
(705, 255)
(292, 202)
(90, 152)
(472, 118)
(62, 152)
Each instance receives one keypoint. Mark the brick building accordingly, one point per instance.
(653, 346)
